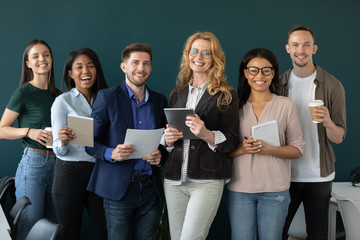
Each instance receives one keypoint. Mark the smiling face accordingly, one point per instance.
(260, 82)
(198, 63)
(301, 47)
(137, 68)
(39, 59)
(83, 71)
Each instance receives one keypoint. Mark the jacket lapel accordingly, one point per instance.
(156, 108)
(206, 97)
(182, 97)
(126, 105)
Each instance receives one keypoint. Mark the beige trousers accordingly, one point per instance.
(192, 208)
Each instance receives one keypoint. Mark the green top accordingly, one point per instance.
(33, 105)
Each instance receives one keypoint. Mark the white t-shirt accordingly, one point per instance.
(306, 168)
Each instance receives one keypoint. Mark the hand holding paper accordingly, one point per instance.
(144, 141)
(122, 152)
(154, 158)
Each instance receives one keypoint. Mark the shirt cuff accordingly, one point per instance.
(162, 142)
(60, 149)
(107, 154)
(219, 138)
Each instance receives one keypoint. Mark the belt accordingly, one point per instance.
(43, 151)
(138, 177)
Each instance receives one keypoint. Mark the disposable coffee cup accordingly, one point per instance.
(312, 106)
(49, 129)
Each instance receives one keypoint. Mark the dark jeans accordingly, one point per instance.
(70, 197)
(135, 216)
(316, 199)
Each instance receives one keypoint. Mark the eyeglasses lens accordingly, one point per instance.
(266, 71)
(194, 52)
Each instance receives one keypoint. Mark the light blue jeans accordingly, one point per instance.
(34, 177)
(258, 214)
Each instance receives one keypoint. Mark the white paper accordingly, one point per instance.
(267, 132)
(144, 141)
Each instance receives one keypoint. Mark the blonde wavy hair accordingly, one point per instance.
(216, 73)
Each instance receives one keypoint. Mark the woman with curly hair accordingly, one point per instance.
(197, 169)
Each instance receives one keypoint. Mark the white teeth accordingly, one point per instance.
(198, 64)
(259, 82)
(42, 65)
(85, 78)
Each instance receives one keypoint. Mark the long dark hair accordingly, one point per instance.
(244, 87)
(100, 82)
(27, 74)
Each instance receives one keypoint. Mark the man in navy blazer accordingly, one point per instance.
(132, 189)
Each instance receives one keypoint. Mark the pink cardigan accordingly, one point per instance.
(253, 173)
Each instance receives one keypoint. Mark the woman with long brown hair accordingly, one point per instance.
(30, 104)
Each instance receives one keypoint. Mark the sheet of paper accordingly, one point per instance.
(267, 132)
(83, 128)
(176, 118)
(144, 141)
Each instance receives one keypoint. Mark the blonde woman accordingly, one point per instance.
(197, 169)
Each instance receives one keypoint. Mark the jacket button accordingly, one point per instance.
(192, 147)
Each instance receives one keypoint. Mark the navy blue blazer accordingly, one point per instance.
(112, 115)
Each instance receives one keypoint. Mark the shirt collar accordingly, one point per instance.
(131, 94)
(76, 93)
(204, 85)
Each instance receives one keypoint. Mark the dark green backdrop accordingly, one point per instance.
(107, 26)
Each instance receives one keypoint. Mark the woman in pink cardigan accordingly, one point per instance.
(259, 187)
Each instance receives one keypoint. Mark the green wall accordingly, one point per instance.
(107, 26)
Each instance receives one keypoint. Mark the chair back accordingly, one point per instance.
(44, 229)
(298, 226)
(7, 187)
(15, 214)
(350, 214)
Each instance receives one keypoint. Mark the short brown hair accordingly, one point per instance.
(136, 47)
(301, 27)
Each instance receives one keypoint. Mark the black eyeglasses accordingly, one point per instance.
(205, 54)
(253, 71)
